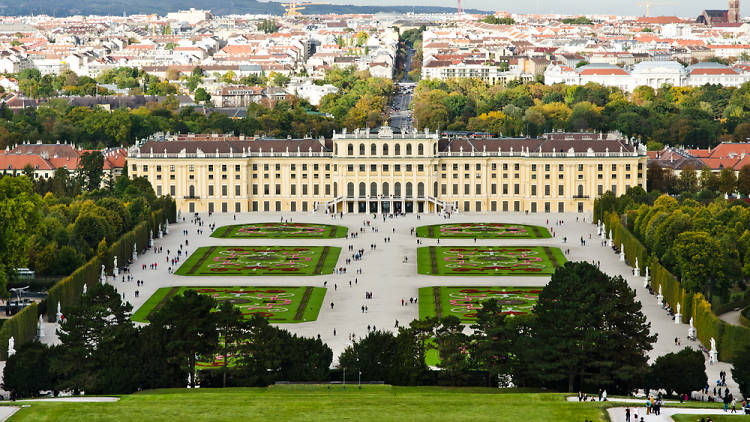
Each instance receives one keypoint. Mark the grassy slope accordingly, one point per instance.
(340, 231)
(310, 313)
(423, 231)
(316, 403)
(424, 266)
(327, 268)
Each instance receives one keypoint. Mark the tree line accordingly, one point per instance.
(688, 116)
(586, 332)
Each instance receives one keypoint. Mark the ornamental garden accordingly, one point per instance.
(489, 260)
(260, 261)
(280, 231)
(464, 302)
(483, 231)
(277, 304)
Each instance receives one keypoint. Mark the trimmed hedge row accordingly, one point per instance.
(745, 317)
(22, 327)
(68, 291)
(731, 340)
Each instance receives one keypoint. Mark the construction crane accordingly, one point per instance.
(648, 3)
(293, 8)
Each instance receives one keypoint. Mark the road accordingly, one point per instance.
(401, 116)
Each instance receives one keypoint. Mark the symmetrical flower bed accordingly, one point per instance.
(489, 260)
(483, 231)
(280, 231)
(464, 302)
(278, 304)
(261, 260)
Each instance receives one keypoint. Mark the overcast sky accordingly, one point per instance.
(684, 8)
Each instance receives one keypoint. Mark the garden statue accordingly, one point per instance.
(135, 252)
(660, 298)
(103, 276)
(691, 330)
(59, 313)
(678, 315)
(115, 268)
(713, 354)
(11, 346)
(645, 279)
(85, 289)
(40, 328)
(622, 252)
(637, 269)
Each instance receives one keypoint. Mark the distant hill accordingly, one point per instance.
(218, 7)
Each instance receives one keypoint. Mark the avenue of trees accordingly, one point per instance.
(361, 99)
(689, 116)
(706, 244)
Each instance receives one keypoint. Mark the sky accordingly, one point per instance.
(683, 8)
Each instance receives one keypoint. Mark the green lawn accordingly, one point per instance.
(489, 260)
(377, 403)
(280, 231)
(278, 304)
(464, 301)
(261, 260)
(716, 418)
(483, 231)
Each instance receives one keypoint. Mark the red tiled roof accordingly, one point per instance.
(713, 71)
(604, 71)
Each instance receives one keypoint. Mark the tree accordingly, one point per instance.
(701, 262)
(201, 95)
(230, 328)
(18, 220)
(727, 181)
(688, 180)
(680, 372)
(91, 170)
(28, 371)
(172, 74)
(588, 330)
(190, 328)
(709, 180)
(97, 339)
(493, 341)
(451, 345)
(743, 181)
(741, 371)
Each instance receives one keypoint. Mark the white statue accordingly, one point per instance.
(11, 346)
(166, 226)
(622, 252)
(678, 315)
(691, 323)
(678, 308)
(691, 330)
(59, 313)
(115, 268)
(645, 279)
(713, 354)
(85, 289)
(713, 344)
(135, 253)
(660, 298)
(103, 276)
(40, 328)
(637, 269)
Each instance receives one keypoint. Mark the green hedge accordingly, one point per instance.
(745, 317)
(731, 340)
(68, 291)
(22, 327)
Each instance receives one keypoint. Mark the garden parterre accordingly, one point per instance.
(280, 231)
(464, 301)
(489, 260)
(260, 260)
(483, 231)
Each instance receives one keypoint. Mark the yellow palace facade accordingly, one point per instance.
(378, 171)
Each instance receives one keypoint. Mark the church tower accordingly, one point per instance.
(733, 15)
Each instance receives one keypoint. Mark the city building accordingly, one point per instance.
(370, 171)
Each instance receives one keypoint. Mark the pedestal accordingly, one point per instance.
(645, 282)
(609, 242)
(59, 317)
(622, 256)
(677, 318)
(660, 300)
(637, 272)
(691, 333)
(713, 356)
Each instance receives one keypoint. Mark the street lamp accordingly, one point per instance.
(359, 380)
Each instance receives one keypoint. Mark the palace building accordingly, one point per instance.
(378, 171)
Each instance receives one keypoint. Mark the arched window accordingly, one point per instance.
(373, 149)
(420, 190)
(385, 189)
(192, 191)
(397, 149)
(350, 190)
(373, 189)
(580, 191)
(385, 149)
(397, 189)
(408, 189)
(350, 149)
(361, 149)
(435, 189)
(420, 149)
(434, 149)
(362, 189)
(408, 149)
(335, 189)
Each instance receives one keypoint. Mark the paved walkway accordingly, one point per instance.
(388, 278)
(7, 411)
(617, 414)
(731, 317)
(82, 399)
